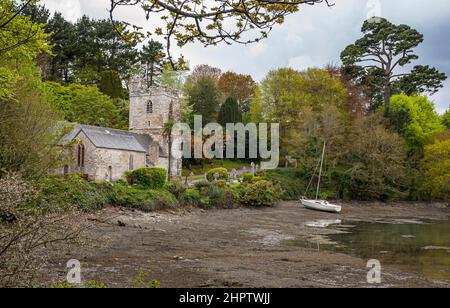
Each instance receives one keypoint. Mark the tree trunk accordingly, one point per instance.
(387, 97)
(170, 159)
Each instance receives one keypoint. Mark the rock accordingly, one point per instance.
(121, 223)
(8, 218)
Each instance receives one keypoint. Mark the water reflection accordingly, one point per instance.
(418, 247)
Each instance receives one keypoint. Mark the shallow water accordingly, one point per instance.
(419, 246)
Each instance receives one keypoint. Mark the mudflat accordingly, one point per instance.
(238, 248)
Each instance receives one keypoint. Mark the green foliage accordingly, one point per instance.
(419, 119)
(143, 281)
(446, 119)
(262, 193)
(151, 178)
(256, 112)
(293, 182)
(28, 139)
(87, 105)
(230, 112)
(20, 37)
(110, 84)
(219, 197)
(375, 166)
(204, 97)
(248, 177)
(285, 92)
(221, 172)
(142, 199)
(87, 48)
(191, 197)
(152, 56)
(376, 59)
(216, 196)
(60, 193)
(436, 170)
(92, 284)
(176, 188)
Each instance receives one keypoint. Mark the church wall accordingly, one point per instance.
(98, 161)
(143, 122)
(118, 160)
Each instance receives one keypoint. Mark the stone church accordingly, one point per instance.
(106, 154)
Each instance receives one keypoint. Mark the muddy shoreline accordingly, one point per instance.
(234, 248)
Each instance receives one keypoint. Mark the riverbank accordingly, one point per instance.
(236, 248)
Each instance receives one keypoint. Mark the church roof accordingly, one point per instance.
(108, 138)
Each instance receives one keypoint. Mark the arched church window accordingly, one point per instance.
(131, 163)
(149, 107)
(81, 151)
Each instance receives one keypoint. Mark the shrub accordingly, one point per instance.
(203, 186)
(221, 184)
(436, 171)
(222, 172)
(222, 198)
(248, 177)
(257, 179)
(190, 197)
(292, 181)
(151, 178)
(177, 188)
(142, 199)
(73, 191)
(262, 193)
(217, 195)
(238, 190)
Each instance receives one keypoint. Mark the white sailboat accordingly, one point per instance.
(320, 205)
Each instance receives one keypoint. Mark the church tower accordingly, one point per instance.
(150, 109)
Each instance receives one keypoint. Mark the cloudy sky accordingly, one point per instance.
(315, 36)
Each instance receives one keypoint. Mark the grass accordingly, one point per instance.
(228, 164)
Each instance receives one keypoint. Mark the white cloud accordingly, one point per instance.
(70, 9)
(315, 36)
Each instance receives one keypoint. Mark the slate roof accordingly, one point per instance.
(108, 138)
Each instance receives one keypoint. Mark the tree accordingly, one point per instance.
(64, 39)
(256, 112)
(26, 237)
(210, 22)
(241, 87)
(436, 170)
(230, 112)
(28, 140)
(87, 105)
(446, 119)
(19, 35)
(286, 92)
(204, 70)
(204, 97)
(376, 161)
(111, 85)
(87, 48)
(152, 57)
(39, 13)
(376, 61)
(415, 118)
(358, 103)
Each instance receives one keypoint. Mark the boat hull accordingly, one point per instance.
(321, 206)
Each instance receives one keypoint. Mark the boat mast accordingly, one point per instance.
(321, 168)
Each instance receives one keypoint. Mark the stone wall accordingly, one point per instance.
(111, 165)
(143, 122)
(104, 164)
